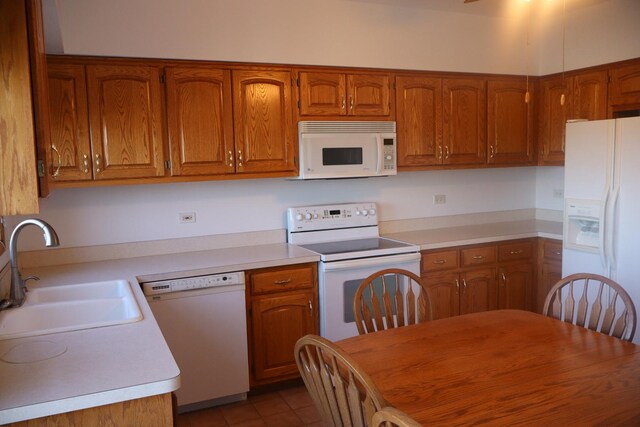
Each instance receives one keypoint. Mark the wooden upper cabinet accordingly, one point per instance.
(553, 115)
(510, 122)
(368, 95)
(419, 121)
(125, 119)
(200, 123)
(263, 117)
(590, 95)
(624, 89)
(18, 175)
(340, 94)
(464, 121)
(70, 147)
(323, 94)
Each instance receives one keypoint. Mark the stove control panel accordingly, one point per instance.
(331, 217)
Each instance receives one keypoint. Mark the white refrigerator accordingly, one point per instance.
(602, 202)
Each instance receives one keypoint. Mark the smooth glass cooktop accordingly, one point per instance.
(360, 245)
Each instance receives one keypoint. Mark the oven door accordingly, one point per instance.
(339, 281)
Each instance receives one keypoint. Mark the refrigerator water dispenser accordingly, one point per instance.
(582, 225)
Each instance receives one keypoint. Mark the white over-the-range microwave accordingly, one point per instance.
(346, 149)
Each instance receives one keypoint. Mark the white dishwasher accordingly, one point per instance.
(203, 321)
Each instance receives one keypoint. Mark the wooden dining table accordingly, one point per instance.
(504, 367)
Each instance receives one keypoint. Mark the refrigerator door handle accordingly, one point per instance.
(603, 230)
(610, 228)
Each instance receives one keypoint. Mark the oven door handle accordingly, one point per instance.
(388, 261)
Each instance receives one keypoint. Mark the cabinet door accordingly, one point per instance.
(368, 95)
(69, 123)
(18, 175)
(553, 115)
(479, 290)
(125, 119)
(444, 291)
(323, 94)
(465, 121)
(419, 121)
(200, 123)
(625, 86)
(510, 123)
(515, 284)
(263, 121)
(551, 273)
(590, 96)
(278, 321)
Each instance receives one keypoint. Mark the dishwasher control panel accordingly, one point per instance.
(193, 283)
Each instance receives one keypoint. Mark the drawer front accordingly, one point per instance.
(515, 251)
(282, 280)
(552, 250)
(436, 261)
(478, 256)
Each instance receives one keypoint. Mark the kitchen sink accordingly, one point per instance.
(71, 307)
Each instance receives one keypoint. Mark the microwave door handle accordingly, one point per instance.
(380, 153)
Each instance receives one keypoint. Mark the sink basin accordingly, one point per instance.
(71, 307)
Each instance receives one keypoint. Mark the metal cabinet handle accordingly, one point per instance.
(310, 306)
(351, 102)
(439, 261)
(478, 257)
(85, 163)
(344, 103)
(230, 158)
(240, 158)
(446, 150)
(557, 253)
(457, 285)
(491, 152)
(464, 285)
(282, 282)
(504, 278)
(97, 163)
(519, 251)
(439, 152)
(57, 171)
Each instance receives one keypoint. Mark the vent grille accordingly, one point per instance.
(347, 127)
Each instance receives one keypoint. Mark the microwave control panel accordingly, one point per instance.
(389, 153)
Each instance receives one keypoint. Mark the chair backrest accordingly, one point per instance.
(343, 394)
(391, 298)
(594, 302)
(392, 417)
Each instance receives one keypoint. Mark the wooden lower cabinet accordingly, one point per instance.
(515, 286)
(470, 279)
(282, 307)
(549, 269)
(148, 411)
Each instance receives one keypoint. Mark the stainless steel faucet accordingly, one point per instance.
(18, 284)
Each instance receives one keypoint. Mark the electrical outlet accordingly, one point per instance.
(186, 217)
(558, 193)
(439, 199)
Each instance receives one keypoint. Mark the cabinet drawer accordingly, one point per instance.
(282, 280)
(480, 255)
(436, 261)
(552, 250)
(515, 251)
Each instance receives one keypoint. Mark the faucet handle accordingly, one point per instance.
(29, 278)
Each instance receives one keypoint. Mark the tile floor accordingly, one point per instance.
(290, 407)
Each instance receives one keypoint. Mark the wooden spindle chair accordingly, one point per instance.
(594, 302)
(392, 417)
(343, 394)
(404, 300)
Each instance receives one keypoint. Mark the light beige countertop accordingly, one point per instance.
(116, 363)
(479, 233)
